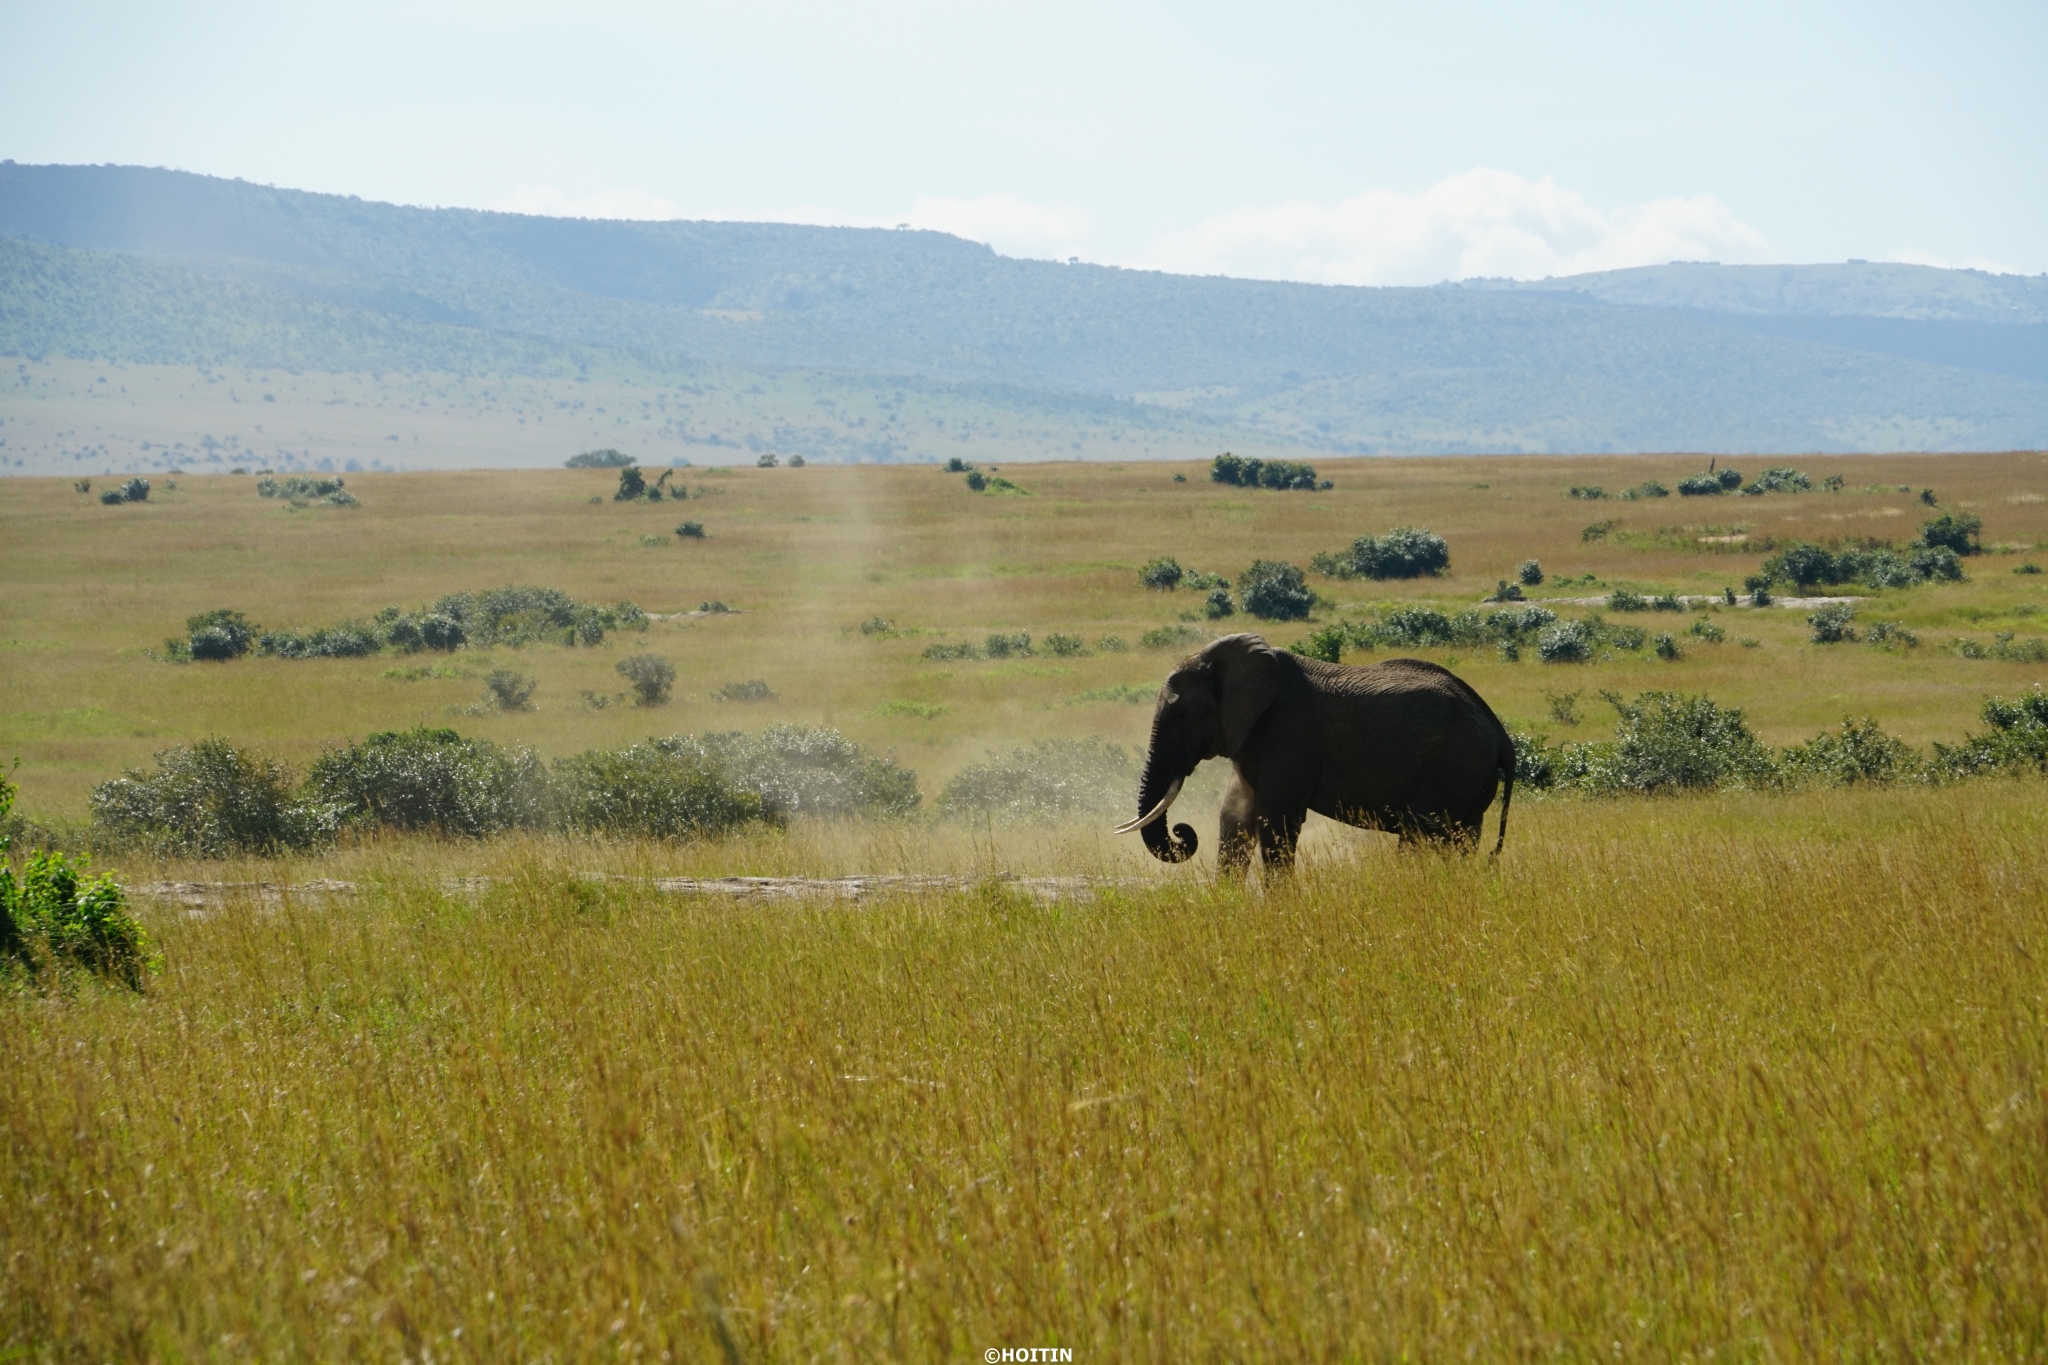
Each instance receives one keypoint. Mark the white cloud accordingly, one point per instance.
(1483, 222)
(1010, 224)
(550, 202)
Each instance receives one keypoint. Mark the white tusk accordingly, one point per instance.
(1155, 813)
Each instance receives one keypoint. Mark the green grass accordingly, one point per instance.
(1732, 1077)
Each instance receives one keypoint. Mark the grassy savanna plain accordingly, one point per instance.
(1738, 1075)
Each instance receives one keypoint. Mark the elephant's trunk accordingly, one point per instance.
(1167, 764)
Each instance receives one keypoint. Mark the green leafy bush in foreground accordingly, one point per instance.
(430, 779)
(1272, 591)
(53, 914)
(1404, 552)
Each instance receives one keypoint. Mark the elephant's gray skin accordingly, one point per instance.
(1403, 746)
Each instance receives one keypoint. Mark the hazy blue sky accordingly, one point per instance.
(1370, 143)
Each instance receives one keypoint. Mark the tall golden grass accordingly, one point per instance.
(1682, 1079)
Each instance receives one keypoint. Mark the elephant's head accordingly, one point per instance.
(1206, 710)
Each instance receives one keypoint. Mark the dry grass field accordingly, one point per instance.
(1749, 1076)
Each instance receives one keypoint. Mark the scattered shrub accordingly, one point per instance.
(1404, 552)
(713, 608)
(1280, 474)
(1648, 488)
(1172, 637)
(755, 689)
(1621, 599)
(1668, 742)
(1710, 484)
(1856, 753)
(632, 484)
(510, 691)
(1273, 591)
(650, 676)
(2016, 742)
(1130, 694)
(940, 653)
(976, 480)
(1590, 492)
(81, 485)
(1707, 630)
(1778, 481)
(299, 488)
(1505, 591)
(217, 635)
(1598, 530)
(1566, 642)
(1065, 646)
(1161, 575)
(1955, 531)
(1050, 780)
(599, 459)
(1111, 644)
(1831, 624)
(2028, 568)
(2004, 648)
(211, 800)
(54, 915)
(1667, 648)
(1326, 643)
(1887, 634)
(796, 462)
(877, 625)
(956, 465)
(430, 779)
(1218, 605)
(1564, 706)
(350, 640)
(1008, 646)
(1530, 574)
(664, 789)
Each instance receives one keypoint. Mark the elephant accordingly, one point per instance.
(1403, 746)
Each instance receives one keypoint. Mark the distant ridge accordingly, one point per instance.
(163, 267)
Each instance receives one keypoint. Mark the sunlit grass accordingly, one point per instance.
(1741, 1076)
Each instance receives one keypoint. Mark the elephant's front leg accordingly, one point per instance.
(1279, 834)
(1237, 830)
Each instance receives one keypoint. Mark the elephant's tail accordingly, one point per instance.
(1507, 789)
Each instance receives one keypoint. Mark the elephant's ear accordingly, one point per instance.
(1247, 680)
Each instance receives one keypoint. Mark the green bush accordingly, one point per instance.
(1530, 574)
(1886, 634)
(510, 691)
(691, 530)
(1667, 742)
(1278, 474)
(1566, 642)
(54, 915)
(1218, 605)
(2027, 568)
(299, 488)
(211, 800)
(1955, 531)
(1161, 575)
(650, 676)
(350, 640)
(1274, 591)
(1707, 630)
(1504, 591)
(1588, 492)
(945, 651)
(1112, 644)
(1710, 484)
(755, 689)
(430, 779)
(1404, 552)
(655, 790)
(956, 465)
(877, 625)
(2017, 741)
(1668, 650)
(599, 459)
(1621, 599)
(632, 484)
(1065, 646)
(1171, 637)
(976, 480)
(1648, 488)
(1779, 481)
(1008, 646)
(1831, 624)
(218, 635)
(1856, 753)
(1050, 780)
(811, 771)
(1326, 643)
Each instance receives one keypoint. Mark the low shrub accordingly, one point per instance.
(1667, 649)
(1832, 624)
(976, 480)
(877, 625)
(1218, 605)
(632, 484)
(1326, 643)
(1891, 634)
(650, 676)
(1505, 591)
(1279, 474)
(54, 915)
(1621, 599)
(1008, 646)
(211, 800)
(217, 635)
(1273, 591)
(1404, 552)
(430, 779)
(948, 650)
(1598, 530)
(1566, 642)
(1065, 646)
(510, 691)
(1648, 488)
(1666, 601)
(1858, 753)
(811, 771)
(1589, 492)
(2004, 648)
(1806, 565)
(1129, 694)
(299, 488)
(1710, 484)
(755, 689)
(1172, 637)
(662, 789)
(1707, 630)
(956, 465)
(2017, 741)
(2027, 568)
(1778, 481)
(691, 530)
(1161, 575)
(350, 640)
(599, 459)
(1955, 531)
(134, 490)
(1530, 574)
(1112, 644)
(1044, 782)
(1668, 742)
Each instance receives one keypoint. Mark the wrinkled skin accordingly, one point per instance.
(1402, 746)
